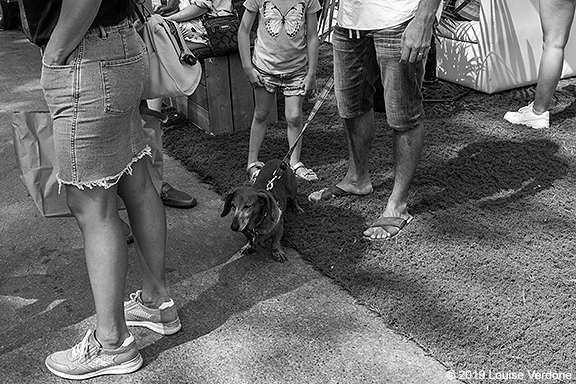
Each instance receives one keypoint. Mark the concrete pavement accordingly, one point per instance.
(245, 319)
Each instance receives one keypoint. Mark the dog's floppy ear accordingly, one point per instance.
(228, 204)
(264, 199)
(269, 202)
(272, 212)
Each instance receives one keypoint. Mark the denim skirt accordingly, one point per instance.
(94, 102)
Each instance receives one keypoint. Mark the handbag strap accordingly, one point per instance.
(207, 16)
(142, 12)
(186, 56)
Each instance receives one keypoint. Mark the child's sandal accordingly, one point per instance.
(304, 173)
(253, 169)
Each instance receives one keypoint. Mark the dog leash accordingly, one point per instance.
(284, 163)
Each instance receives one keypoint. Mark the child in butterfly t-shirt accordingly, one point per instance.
(284, 59)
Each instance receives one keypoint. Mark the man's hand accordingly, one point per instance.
(417, 36)
(416, 42)
(167, 7)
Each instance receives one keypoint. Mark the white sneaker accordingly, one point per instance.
(163, 320)
(526, 116)
(89, 359)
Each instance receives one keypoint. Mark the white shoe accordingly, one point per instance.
(89, 359)
(163, 320)
(526, 116)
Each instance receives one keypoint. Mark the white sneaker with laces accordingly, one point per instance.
(163, 320)
(89, 359)
(528, 117)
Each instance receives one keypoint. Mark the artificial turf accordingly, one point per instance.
(484, 277)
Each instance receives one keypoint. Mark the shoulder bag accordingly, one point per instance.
(222, 34)
(174, 70)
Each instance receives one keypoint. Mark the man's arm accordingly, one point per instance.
(167, 7)
(418, 34)
(190, 12)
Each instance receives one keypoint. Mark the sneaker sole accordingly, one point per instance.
(166, 329)
(122, 369)
(536, 126)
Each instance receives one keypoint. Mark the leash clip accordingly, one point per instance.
(276, 175)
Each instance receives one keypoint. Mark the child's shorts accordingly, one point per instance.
(290, 84)
(94, 101)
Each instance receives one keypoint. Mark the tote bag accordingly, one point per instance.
(36, 157)
(174, 71)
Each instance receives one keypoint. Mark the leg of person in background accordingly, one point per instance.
(264, 102)
(402, 84)
(171, 196)
(407, 148)
(359, 135)
(556, 17)
(355, 71)
(293, 115)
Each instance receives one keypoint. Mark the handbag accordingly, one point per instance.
(222, 36)
(36, 156)
(222, 32)
(173, 70)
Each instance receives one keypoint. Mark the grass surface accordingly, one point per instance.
(484, 277)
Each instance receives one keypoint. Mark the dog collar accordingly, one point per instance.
(254, 232)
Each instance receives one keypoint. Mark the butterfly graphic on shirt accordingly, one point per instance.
(292, 20)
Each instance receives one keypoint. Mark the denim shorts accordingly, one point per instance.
(290, 84)
(360, 57)
(94, 102)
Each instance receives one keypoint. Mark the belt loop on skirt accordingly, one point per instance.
(103, 32)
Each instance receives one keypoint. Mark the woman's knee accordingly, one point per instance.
(91, 204)
(131, 186)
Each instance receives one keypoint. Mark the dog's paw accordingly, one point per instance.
(279, 255)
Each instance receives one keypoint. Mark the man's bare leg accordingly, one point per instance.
(359, 135)
(407, 149)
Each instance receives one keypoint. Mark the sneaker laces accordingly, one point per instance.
(134, 296)
(81, 349)
(525, 109)
(137, 298)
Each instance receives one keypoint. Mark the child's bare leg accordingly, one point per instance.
(293, 115)
(264, 102)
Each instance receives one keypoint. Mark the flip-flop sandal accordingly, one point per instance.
(304, 173)
(253, 169)
(394, 222)
(330, 193)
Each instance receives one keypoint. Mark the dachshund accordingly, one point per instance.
(259, 213)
